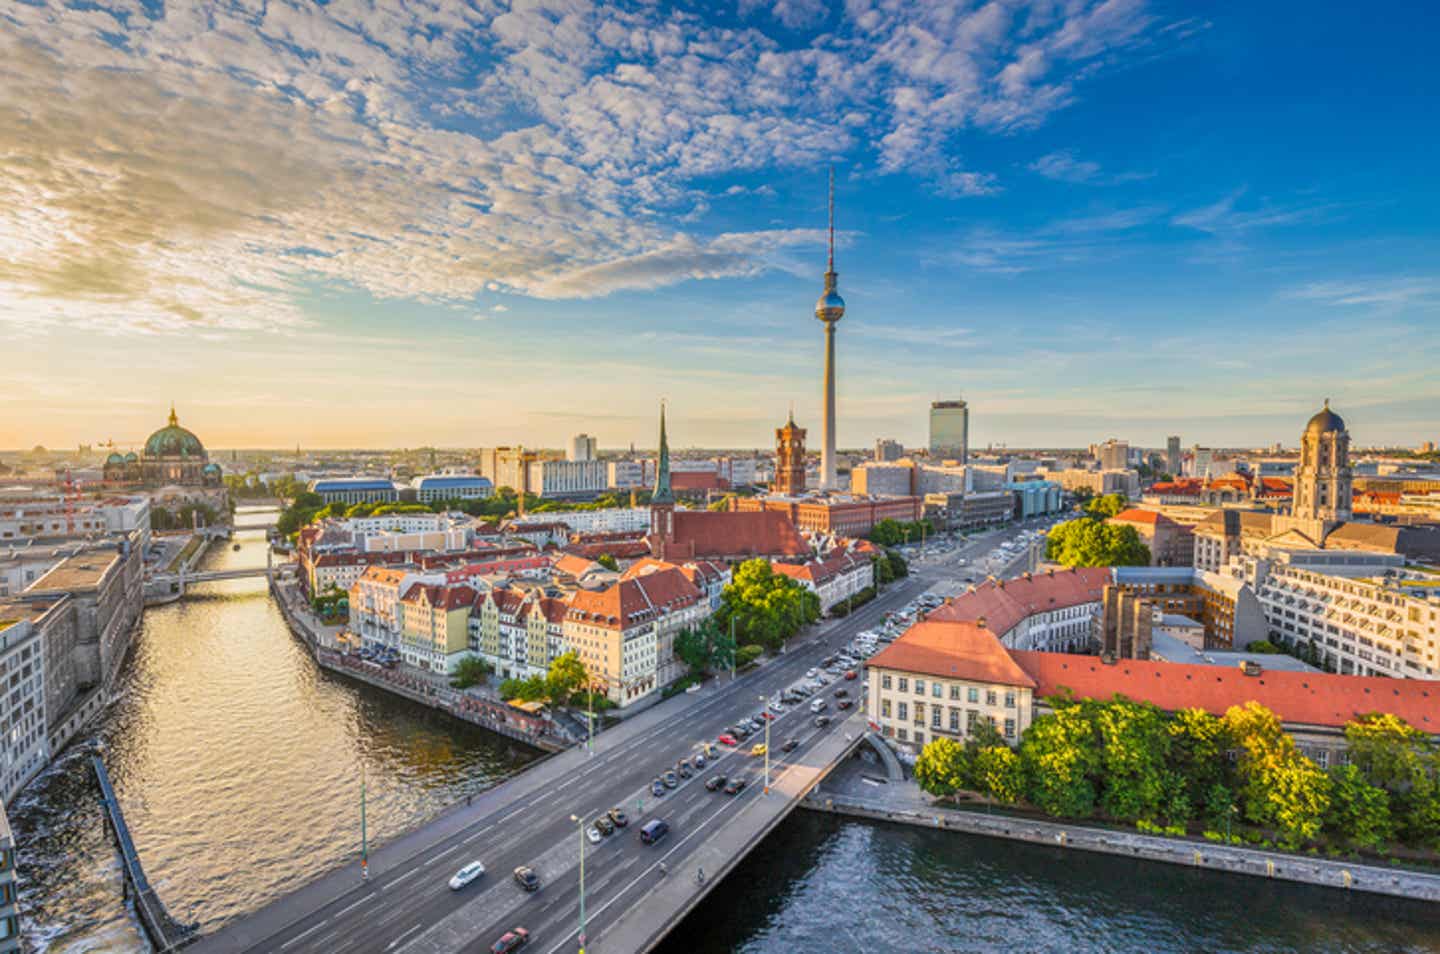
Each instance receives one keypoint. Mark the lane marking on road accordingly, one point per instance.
(394, 881)
(448, 851)
(352, 906)
(403, 936)
(299, 937)
(477, 834)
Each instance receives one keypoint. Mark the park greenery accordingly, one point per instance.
(608, 562)
(470, 671)
(889, 567)
(706, 647)
(764, 607)
(1127, 761)
(747, 654)
(890, 533)
(561, 685)
(1088, 541)
(332, 605)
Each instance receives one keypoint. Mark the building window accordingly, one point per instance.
(973, 695)
(884, 708)
(970, 716)
(991, 697)
(901, 734)
(954, 693)
(937, 690)
(954, 720)
(919, 738)
(902, 711)
(904, 684)
(1009, 728)
(885, 681)
(935, 717)
(919, 687)
(1009, 700)
(919, 713)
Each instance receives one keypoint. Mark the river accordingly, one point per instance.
(238, 763)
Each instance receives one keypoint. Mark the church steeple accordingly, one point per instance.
(663, 493)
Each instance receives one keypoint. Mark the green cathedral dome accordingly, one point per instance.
(174, 441)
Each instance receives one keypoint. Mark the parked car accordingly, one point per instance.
(657, 788)
(844, 704)
(526, 878)
(593, 834)
(670, 780)
(841, 693)
(734, 786)
(605, 825)
(822, 721)
(728, 739)
(619, 818)
(511, 940)
(699, 760)
(683, 767)
(811, 673)
(852, 674)
(466, 875)
(714, 782)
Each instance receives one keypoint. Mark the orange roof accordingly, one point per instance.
(440, 597)
(697, 480)
(952, 650)
(1303, 698)
(1004, 603)
(1136, 515)
(633, 601)
(575, 565)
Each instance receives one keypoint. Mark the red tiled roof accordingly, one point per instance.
(952, 650)
(1304, 698)
(820, 571)
(440, 597)
(702, 533)
(1136, 515)
(629, 602)
(1004, 603)
(575, 565)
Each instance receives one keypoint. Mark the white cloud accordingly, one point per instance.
(195, 166)
(1064, 167)
(1380, 292)
(500, 308)
(1223, 217)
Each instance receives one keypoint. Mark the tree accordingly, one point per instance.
(943, 767)
(997, 772)
(1106, 505)
(1279, 787)
(1134, 749)
(1198, 745)
(899, 569)
(1359, 811)
(1087, 542)
(889, 533)
(470, 671)
(706, 646)
(532, 689)
(1399, 758)
(766, 607)
(566, 675)
(608, 562)
(1059, 757)
(745, 655)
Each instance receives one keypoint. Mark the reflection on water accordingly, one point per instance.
(825, 885)
(238, 764)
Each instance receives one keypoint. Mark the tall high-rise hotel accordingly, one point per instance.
(950, 431)
(830, 308)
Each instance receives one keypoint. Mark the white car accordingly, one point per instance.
(811, 673)
(593, 834)
(466, 875)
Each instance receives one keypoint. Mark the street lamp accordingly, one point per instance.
(767, 745)
(364, 841)
(580, 827)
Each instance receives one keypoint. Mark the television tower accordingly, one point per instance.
(830, 308)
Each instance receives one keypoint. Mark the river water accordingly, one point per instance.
(238, 764)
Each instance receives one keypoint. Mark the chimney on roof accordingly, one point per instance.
(1026, 575)
(1251, 668)
(980, 622)
(1108, 659)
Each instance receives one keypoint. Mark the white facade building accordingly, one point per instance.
(609, 520)
(24, 746)
(568, 478)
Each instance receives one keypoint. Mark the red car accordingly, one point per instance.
(768, 717)
(843, 704)
(728, 739)
(510, 941)
(851, 674)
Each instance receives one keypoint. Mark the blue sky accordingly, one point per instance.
(416, 223)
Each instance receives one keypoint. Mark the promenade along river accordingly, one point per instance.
(238, 764)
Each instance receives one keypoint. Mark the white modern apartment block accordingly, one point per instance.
(609, 520)
(568, 478)
(1382, 623)
(630, 474)
(582, 447)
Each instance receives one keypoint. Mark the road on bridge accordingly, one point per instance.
(406, 906)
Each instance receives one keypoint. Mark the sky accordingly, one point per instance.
(423, 222)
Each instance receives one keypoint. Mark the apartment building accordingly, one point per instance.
(1052, 611)
(24, 745)
(434, 625)
(833, 579)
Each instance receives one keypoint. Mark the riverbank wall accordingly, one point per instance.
(1344, 875)
(518, 726)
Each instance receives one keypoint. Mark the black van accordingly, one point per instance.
(654, 830)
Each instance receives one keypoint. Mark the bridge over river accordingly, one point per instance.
(629, 902)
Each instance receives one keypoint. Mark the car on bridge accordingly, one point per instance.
(714, 782)
(841, 693)
(852, 674)
(593, 834)
(657, 788)
(466, 875)
(844, 704)
(511, 940)
(790, 745)
(758, 749)
(735, 786)
(618, 817)
(670, 780)
(526, 878)
(728, 739)
(605, 825)
(683, 767)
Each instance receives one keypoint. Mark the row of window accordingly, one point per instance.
(937, 690)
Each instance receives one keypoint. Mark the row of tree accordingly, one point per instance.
(1129, 761)
(764, 608)
(183, 517)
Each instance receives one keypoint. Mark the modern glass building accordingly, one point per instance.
(949, 430)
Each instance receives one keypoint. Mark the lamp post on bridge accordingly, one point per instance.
(767, 744)
(580, 827)
(364, 841)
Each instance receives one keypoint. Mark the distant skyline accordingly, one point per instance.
(417, 223)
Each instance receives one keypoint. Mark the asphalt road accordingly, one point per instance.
(397, 909)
